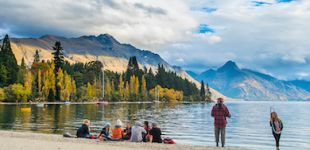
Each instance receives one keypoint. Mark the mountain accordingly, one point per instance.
(302, 84)
(104, 47)
(247, 84)
(191, 73)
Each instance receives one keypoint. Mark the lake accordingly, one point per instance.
(187, 123)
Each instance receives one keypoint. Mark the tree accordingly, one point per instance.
(19, 93)
(58, 61)
(21, 72)
(51, 96)
(127, 91)
(121, 88)
(203, 91)
(36, 56)
(108, 89)
(143, 88)
(2, 95)
(91, 91)
(8, 60)
(3, 75)
(58, 56)
(137, 87)
(28, 81)
(67, 87)
(59, 84)
(209, 94)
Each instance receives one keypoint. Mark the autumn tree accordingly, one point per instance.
(143, 88)
(108, 89)
(121, 90)
(127, 91)
(22, 71)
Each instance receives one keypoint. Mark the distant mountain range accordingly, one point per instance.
(252, 85)
(103, 47)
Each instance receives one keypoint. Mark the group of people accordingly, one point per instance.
(220, 112)
(135, 133)
(146, 133)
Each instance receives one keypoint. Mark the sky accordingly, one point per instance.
(270, 36)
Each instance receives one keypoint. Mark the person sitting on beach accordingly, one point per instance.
(155, 134)
(117, 131)
(276, 126)
(84, 131)
(146, 137)
(136, 132)
(105, 132)
(127, 132)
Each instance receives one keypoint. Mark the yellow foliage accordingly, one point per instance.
(121, 88)
(2, 94)
(166, 94)
(143, 88)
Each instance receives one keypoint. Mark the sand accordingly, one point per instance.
(11, 140)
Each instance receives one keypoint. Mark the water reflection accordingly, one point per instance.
(186, 123)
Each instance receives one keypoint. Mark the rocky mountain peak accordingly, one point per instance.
(229, 66)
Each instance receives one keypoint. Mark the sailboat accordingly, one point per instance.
(157, 95)
(101, 100)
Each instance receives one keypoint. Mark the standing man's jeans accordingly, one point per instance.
(218, 132)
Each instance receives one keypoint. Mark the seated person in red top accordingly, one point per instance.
(117, 131)
(155, 134)
(220, 112)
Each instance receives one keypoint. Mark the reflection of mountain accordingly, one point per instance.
(104, 47)
(251, 85)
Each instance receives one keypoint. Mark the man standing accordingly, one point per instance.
(220, 112)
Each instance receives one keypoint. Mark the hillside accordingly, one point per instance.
(103, 47)
(251, 85)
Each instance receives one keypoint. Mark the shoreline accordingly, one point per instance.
(13, 140)
(99, 103)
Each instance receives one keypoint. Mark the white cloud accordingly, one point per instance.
(269, 37)
(143, 23)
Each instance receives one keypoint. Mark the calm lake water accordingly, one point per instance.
(185, 123)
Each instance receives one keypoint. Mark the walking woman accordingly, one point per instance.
(276, 126)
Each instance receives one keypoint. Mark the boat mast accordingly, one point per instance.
(102, 82)
(97, 58)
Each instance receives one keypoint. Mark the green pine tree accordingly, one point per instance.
(36, 57)
(8, 60)
(21, 72)
(203, 91)
(58, 61)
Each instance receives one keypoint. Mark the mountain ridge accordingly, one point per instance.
(104, 47)
(248, 84)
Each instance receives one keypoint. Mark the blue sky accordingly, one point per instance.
(271, 36)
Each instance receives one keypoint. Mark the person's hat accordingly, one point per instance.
(138, 123)
(107, 125)
(119, 123)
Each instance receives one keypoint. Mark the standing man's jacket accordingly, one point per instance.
(220, 112)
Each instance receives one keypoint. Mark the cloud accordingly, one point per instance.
(269, 35)
(147, 24)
